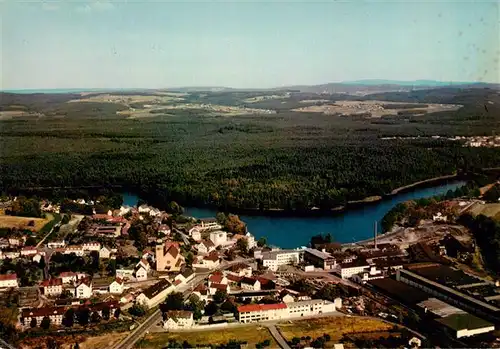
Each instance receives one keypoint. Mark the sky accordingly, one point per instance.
(243, 44)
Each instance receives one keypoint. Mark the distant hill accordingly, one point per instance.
(426, 83)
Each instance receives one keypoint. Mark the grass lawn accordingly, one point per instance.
(22, 222)
(104, 341)
(252, 334)
(334, 326)
(489, 210)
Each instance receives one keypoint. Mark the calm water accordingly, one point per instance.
(350, 226)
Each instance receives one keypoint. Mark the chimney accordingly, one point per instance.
(375, 235)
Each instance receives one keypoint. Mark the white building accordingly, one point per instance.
(218, 237)
(186, 276)
(273, 259)
(281, 311)
(262, 312)
(195, 233)
(205, 247)
(8, 280)
(209, 223)
(438, 217)
(140, 273)
(83, 289)
(52, 287)
(55, 315)
(28, 251)
(155, 294)
(69, 277)
(76, 249)
(178, 319)
(250, 241)
(347, 270)
(56, 244)
(371, 274)
(250, 284)
(91, 246)
(117, 286)
(104, 253)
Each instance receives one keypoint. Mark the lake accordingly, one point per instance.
(350, 226)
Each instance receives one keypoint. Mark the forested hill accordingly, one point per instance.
(288, 160)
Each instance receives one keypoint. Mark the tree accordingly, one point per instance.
(211, 308)
(41, 264)
(117, 313)
(189, 259)
(45, 323)
(106, 313)
(228, 307)
(137, 310)
(31, 241)
(235, 225)
(95, 318)
(174, 301)
(66, 294)
(262, 242)
(175, 208)
(220, 296)
(221, 218)
(141, 241)
(295, 341)
(33, 322)
(69, 318)
(242, 245)
(83, 316)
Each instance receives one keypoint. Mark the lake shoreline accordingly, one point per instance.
(338, 210)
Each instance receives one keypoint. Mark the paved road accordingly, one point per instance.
(277, 336)
(185, 238)
(186, 289)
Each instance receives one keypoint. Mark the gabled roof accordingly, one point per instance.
(45, 311)
(248, 281)
(212, 257)
(154, 290)
(238, 267)
(177, 314)
(5, 277)
(208, 243)
(216, 277)
(261, 307)
(118, 280)
(234, 278)
(219, 286)
(51, 282)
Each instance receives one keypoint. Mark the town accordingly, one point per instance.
(94, 263)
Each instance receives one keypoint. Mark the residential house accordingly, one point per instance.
(144, 209)
(242, 269)
(52, 287)
(217, 278)
(83, 289)
(250, 284)
(38, 257)
(155, 294)
(117, 286)
(178, 319)
(266, 283)
(205, 247)
(124, 210)
(202, 292)
(154, 212)
(210, 261)
(213, 288)
(140, 273)
(144, 264)
(168, 257)
(251, 243)
(55, 314)
(219, 238)
(438, 217)
(126, 274)
(69, 277)
(8, 280)
(164, 229)
(127, 298)
(29, 251)
(195, 233)
(104, 252)
(233, 280)
(4, 243)
(186, 276)
(91, 246)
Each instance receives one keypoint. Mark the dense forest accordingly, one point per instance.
(291, 161)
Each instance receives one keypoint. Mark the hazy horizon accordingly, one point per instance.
(114, 45)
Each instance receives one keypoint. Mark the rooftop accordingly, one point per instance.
(45, 311)
(439, 307)
(319, 254)
(464, 321)
(5, 277)
(154, 290)
(261, 307)
(274, 254)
